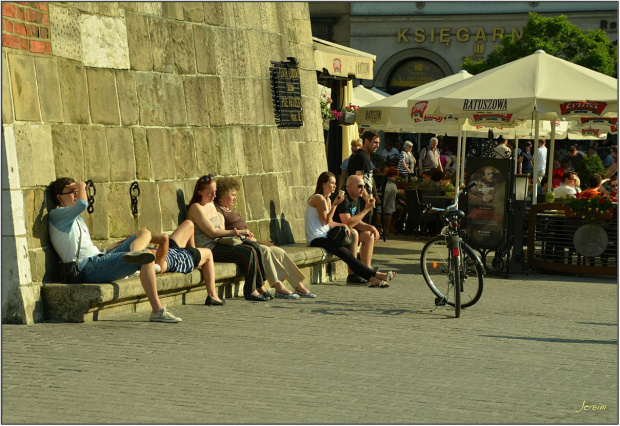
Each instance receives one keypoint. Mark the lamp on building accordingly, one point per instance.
(517, 259)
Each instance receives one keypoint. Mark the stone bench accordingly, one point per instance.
(91, 302)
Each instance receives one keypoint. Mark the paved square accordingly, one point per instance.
(535, 349)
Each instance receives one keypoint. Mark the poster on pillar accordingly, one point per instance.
(487, 202)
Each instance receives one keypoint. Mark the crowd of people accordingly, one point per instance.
(214, 232)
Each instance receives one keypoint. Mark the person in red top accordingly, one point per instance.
(594, 183)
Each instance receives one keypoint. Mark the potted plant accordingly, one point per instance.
(401, 183)
(449, 190)
(549, 197)
(588, 166)
(590, 209)
(327, 113)
(348, 115)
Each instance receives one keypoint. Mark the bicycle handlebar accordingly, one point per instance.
(454, 206)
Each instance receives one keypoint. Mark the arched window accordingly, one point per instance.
(413, 72)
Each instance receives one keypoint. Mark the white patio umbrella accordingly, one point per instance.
(538, 87)
(363, 96)
(393, 112)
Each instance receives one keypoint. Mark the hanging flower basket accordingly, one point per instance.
(347, 118)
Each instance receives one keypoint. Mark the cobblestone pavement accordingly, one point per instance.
(535, 349)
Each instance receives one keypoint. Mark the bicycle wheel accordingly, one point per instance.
(435, 268)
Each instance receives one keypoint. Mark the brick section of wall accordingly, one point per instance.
(25, 26)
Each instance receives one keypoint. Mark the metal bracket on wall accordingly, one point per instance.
(91, 191)
(134, 194)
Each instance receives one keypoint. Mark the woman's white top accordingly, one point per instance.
(314, 227)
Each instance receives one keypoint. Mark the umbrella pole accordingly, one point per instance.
(550, 152)
(536, 135)
(458, 158)
(463, 150)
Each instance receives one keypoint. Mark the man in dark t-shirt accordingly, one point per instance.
(350, 212)
(360, 164)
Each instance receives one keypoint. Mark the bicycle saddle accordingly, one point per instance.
(454, 215)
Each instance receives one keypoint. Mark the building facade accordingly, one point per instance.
(419, 42)
(153, 93)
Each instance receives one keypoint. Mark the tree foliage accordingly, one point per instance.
(557, 36)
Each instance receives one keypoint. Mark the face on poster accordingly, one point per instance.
(487, 205)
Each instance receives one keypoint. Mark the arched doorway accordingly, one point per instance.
(412, 73)
(411, 68)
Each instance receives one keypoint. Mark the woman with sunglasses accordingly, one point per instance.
(319, 220)
(209, 226)
(278, 265)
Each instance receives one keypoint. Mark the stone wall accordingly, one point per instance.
(154, 92)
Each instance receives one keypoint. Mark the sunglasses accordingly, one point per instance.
(360, 186)
(207, 178)
(67, 193)
(614, 186)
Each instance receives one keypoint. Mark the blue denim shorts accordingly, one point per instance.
(110, 266)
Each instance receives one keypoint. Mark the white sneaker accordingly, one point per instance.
(164, 315)
(157, 268)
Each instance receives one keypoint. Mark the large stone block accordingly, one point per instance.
(254, 201)
(172, 205)
(207, 152)
(174, 100)
(121, 221)
(218, 13)
(141, 149)
(98, 221)
(161, 154)
(269, 117)
(173, 10)
(149, 213)
(196, 100)
(161, 45)
(43, 264)
(128, 102)
(239, 53)
(215, 99)
(251, 149)
(128, 6)
(271, 196)
(74, 91)
(96, 158)
(42, 154)
(228, 151)
(150, 8)
(193, 11)
(49, 89)
(102, 96)
(35, 211)
(184, 152)
(25, 96)
(68, 152)
(120, 149)
(256, 59)
(183, 48)
(65, 32)
(205, 49)
(269, 18)
(266, 150)
(7, 102)
(150, 99)
(23, 148)
(104, 41)
(139, 42)
(223, 39)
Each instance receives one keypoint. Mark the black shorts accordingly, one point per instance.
(194, 252)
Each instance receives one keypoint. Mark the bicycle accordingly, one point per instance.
(448, 262)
